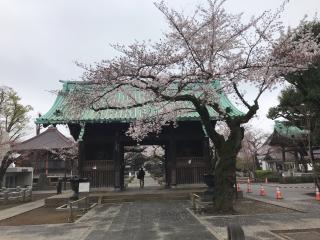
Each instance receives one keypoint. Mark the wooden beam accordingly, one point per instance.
(81, 156)
(172, 160)
(117, 164)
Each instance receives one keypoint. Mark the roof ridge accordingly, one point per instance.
(88, 115)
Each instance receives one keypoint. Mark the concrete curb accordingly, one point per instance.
(276, 203)
(26, 207)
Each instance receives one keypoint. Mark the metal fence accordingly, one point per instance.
(81, 205)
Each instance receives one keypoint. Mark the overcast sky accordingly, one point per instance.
(41, 39)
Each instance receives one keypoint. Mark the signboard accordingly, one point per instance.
(84, 187)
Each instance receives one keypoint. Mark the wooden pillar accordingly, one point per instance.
(296, 160)
(47, 164)
(167, 166)
(172, 160)
(117, 163)
(206, 154)
(283, 157)
(122, 166)
(81, 157)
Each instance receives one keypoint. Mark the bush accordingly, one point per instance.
(261, 175)
(275, 177)
(303, 179)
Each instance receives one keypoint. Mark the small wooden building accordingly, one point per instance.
(38, 151)
(102, 137)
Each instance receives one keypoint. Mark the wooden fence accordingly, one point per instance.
(99, 172)
(191, 170)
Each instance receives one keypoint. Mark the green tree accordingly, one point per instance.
(292, 108)
(300, 102)
(307, 81)
(13, 122)
(13, 115)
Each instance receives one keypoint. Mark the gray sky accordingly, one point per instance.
(41, 39)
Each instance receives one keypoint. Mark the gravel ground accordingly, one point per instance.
(37, 216)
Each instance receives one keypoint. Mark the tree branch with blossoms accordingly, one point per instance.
(196, 52)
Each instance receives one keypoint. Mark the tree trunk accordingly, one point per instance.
(225, 175)
(225, 169)
(6, 161)
(256, 161)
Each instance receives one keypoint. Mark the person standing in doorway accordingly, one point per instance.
(140, 176)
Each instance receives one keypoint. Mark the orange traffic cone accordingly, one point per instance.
(262, 191)
(317, 194)
(238, 187)
(266, 180)
(278, 194)
(249, 190)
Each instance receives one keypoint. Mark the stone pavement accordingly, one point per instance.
(154, 220)
(262, 226)
(10, 212)
(164, 219)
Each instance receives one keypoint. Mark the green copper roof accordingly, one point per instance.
(289, 131)
(62, 110)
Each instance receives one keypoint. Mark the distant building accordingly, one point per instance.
(39, 155)
(285, 149)
(18, 176)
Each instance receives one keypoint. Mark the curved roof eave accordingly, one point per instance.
(59, 105)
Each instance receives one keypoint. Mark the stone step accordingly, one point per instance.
(115, 197)
(144, 197)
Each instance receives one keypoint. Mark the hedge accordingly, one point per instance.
(304, 179)
(261, 175)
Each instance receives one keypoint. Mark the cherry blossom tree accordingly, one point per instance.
(252, 142)
(202, 55)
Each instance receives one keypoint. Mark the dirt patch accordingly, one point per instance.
(246, 206)
(35, 197)
(250, 207)
(37, 216)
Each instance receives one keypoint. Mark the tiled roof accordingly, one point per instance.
(289, 131)
(61, 112)
(49, 139)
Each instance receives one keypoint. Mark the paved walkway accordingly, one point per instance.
(149, 182)
(156, 220)
(26, 207)
(173, 220)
